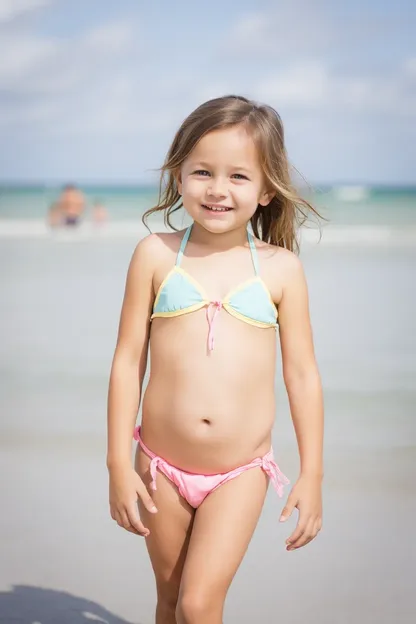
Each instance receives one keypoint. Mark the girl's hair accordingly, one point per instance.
(275, 223)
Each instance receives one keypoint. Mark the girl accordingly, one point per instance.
(206, 300)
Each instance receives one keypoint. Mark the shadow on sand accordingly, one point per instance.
(34, 605)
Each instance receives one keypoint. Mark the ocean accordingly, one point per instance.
(352, 213)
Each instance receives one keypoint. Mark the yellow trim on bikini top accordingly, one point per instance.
(180, 293)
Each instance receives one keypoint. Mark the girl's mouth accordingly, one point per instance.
(216, 208)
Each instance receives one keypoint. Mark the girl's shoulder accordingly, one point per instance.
(158, 247)
(163, 239)
(274, 257)
(281, 269)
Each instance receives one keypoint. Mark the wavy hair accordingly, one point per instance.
(278, 222)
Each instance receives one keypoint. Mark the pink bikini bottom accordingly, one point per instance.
(195, 487)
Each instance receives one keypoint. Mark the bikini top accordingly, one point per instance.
(180, 293)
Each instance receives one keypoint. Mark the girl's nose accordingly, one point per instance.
(217, 188)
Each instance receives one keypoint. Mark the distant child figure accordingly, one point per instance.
(207, 301)
(54, 217)
(99, 213)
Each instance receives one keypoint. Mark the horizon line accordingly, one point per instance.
(39, 184)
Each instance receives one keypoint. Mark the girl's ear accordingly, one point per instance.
(266, 197)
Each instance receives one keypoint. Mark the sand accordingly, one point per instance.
(63, 560)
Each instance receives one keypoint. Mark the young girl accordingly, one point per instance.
(207, 300)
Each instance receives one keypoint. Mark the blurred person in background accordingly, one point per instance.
(54, 217)
(68, 209)
(99, 213)
(71, 205)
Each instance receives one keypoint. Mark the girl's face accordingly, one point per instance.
(221, 181)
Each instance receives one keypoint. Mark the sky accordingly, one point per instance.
(94, 90)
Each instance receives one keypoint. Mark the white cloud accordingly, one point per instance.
(307, 60)
(312, 29)
(70, 87)
(85, 85)
(116, 36)
(10, 9)
(250, 27)
(314, 87)
(409, 67)
(34, 65)
(305, 85)
(21, 57)
(295, 28)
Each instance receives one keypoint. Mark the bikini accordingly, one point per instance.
(250, 302)
(180, 293)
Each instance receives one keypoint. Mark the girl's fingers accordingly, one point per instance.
(297, 534)
(318, 526)
(127, 525)
(117, 518)
(123, 520)
(134, 521)
(288, 508)
(131, 529)
(307, 536)
(146, 498)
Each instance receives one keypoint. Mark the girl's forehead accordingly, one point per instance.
(228, 144)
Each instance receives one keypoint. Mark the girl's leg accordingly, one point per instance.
(167, 544)
(222, 530)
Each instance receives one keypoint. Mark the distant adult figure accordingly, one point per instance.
(71, 205)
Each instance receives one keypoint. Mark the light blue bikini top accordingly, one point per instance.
(180, 293)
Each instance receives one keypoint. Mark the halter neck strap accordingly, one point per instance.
(254, 255)
(183, 245)
(253, 250)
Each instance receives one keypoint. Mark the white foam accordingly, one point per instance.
(35, 228)
(352, 193)
(369, 235)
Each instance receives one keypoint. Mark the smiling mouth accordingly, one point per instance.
(216, 208)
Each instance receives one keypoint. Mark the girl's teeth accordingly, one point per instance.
(216, 209)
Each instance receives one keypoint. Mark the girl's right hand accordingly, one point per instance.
(126, 487)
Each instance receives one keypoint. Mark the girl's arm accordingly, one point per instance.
(302, 381)
(130, 357)
(127, 372)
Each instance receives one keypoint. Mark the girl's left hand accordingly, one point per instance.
(306, 496)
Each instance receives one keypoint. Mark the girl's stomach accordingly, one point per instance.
(209, 412)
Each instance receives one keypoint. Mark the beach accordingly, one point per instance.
(65, 561)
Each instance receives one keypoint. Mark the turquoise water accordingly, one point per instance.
(341, 205)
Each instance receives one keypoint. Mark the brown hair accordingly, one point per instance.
(275, 223)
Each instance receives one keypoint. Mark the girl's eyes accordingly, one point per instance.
(204, 173)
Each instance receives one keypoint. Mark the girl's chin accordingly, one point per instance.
(215, 223)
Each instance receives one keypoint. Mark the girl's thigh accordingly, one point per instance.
(170, 527)
(222, 530)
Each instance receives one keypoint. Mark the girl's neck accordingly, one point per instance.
(219, 242)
